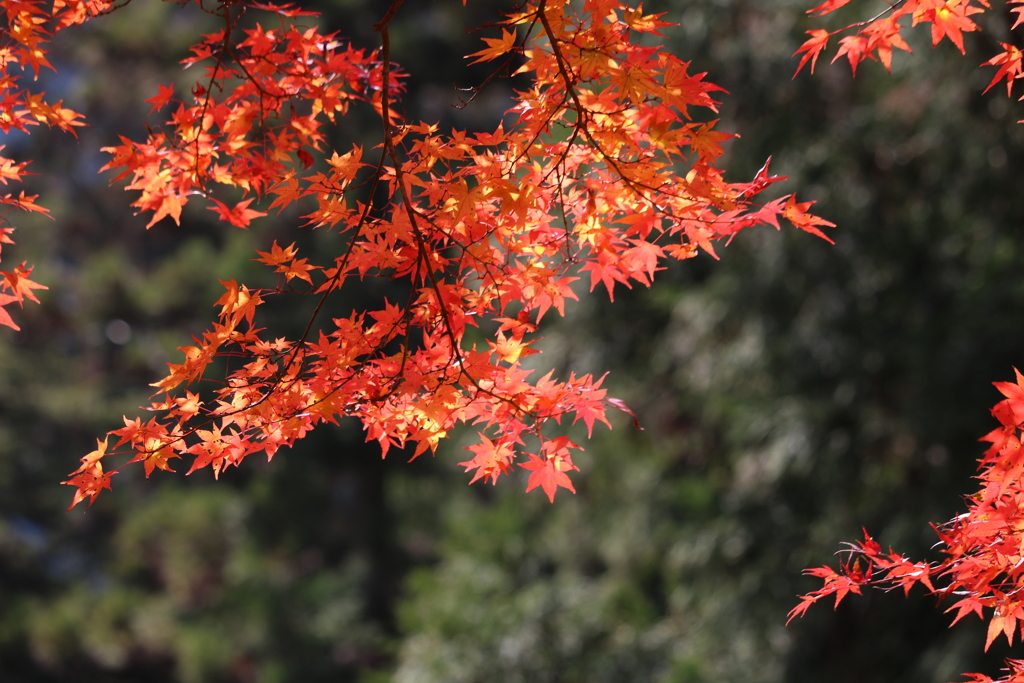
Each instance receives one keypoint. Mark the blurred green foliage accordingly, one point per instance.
(790, 393)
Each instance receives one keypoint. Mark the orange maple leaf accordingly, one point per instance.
(276, 256)
(18, 282)
(89, 483)
(496, 47)
(796, 213)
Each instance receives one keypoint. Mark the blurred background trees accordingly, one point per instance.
(790, 393)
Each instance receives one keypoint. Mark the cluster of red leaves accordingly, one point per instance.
(29, 25)
(984, 547)
(877, 37)
(603, 170)
(241, 127)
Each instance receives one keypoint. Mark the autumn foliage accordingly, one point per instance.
(982, 571)
(607, 169)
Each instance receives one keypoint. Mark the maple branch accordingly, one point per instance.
(582, 113)
(497, 70)
(471, 238)
(228, 29)
(878, 16)
(422, 258)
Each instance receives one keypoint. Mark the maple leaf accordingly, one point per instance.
(155, 454)
(948, 19)
(490, 460)
(288, 191)
(883, 37)
(284, 9)
(605, 270)
(905, 573)
(487, 229)
(966, 606)
(548, 473)
(276, 256)
(840, 584)
(762, 180)
(645, 23)
(160, 100)
(801, 608)
(347, 165)
(94, 456)
(18, 282)
(164, 204)
(1005, 624)
(496, 47)
(188, 405)
(238, 302)
(1009, 63)
(706, 141)
(89, 483)
(855, 48)
(827, 6)
(5, 317)
(239, 215)
(1014, 394)
(9, 170)
(510, 349)
(1019, 11)
(212, 450)
(24, 202)
(796, 213)
(812, 47)
(299, 268)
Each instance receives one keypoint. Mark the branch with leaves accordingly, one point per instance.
(876, 38)
(607, 168)
(982, 572)
(983, 567)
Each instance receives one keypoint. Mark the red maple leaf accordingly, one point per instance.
(1009, 63)
(549, 474)
(812, 47)
(1014, 394)
(239, 215)
(160, 100)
